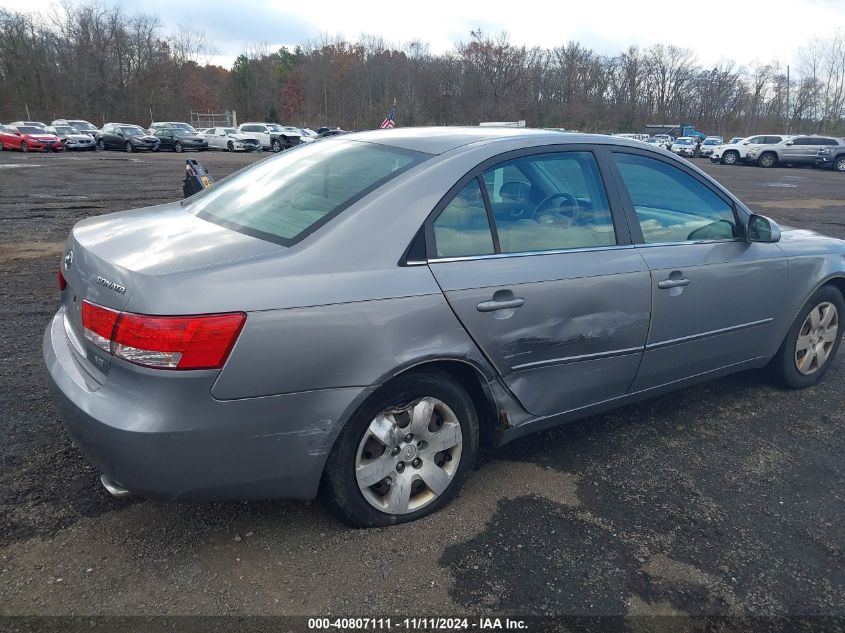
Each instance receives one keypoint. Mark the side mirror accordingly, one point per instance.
(762, 229)
(789, 142)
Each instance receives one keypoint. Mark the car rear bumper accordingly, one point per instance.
(162, 435)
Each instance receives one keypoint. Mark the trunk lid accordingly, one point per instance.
(106, 256)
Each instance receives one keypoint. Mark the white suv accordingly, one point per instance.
(737, 152)
(272, 135)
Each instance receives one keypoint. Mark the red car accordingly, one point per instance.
(26, 138)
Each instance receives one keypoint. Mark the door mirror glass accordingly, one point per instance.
(762, 229)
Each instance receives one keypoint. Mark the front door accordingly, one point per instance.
(715, 295)
(529, 258)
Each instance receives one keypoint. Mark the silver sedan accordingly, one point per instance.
(362, 312)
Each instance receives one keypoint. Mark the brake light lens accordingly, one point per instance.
(62, 281)
(165, 342)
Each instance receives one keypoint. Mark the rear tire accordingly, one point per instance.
(177, 147)
(811, 343)
(417, 411)
(730, 158)
(767, 160)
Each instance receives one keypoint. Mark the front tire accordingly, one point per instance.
(230, 146)
(128, 147)
(101, 144)
(839, 164)
(730, 158)
(24, 147)
(812, 341)
(767, 160)
(405, 453)
(276, 146)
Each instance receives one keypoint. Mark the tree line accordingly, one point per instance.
(105, 64)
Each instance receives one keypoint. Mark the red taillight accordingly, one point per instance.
(166, 342)
(62, 281)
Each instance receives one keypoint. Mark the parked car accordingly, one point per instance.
(832, 156)
(179, 140)
(737, 150)
(228, 138)
(29, 124)
(334, 132)
(522, 286)
(665, 140)
(795, 150)
(129, 138)
(28, 138)
(709, 144)
(171, 125)
(73, 138)
(685, 146)
(81, 125)
(271, 135)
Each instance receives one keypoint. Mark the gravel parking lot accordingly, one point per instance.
(724, 499)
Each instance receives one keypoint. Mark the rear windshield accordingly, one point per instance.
(286, 197)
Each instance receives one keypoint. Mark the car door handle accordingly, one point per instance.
(507, 304)
(672, 283)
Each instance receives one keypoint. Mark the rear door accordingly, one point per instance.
(533, 255)
(715, 295)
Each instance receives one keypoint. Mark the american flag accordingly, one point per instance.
(390, 121)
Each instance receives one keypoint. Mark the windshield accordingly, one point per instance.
(133, 131)
(711, 141)
(178, 131)
(65, 129)
(185, 127)
(684, 141)
(285, 198)
(274, 127)
(230, 130)
(26, 129)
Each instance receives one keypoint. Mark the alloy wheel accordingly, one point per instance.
(24, 147)
(408, 456)
(767, 160)
(729, 158)
(839, 165)
(816, 338)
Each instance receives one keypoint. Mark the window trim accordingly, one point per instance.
(740, 217)
(621, 226)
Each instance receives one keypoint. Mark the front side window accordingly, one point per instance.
(671, 205)
(284, 198)
(462, 229)
(549, 202)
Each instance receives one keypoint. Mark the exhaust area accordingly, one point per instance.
(114, 488)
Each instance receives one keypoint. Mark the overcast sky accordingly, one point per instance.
(744, 30)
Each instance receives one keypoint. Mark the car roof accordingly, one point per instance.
(437, 140)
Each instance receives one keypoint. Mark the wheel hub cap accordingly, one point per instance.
(816, 338)
(428, 437)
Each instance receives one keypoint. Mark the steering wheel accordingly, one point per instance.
(569, 198)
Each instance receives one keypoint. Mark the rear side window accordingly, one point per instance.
(462, 229)
(671, 205)
(284, 198)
